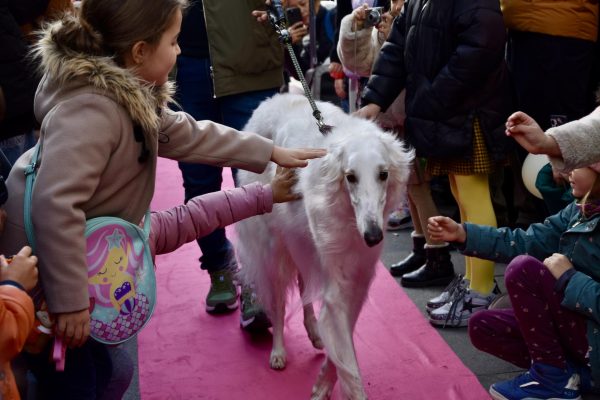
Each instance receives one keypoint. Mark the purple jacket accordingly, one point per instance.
(170, 229)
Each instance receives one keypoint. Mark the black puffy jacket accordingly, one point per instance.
(449, 55)
(18, 77)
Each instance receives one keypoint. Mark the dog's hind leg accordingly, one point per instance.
(310, 321)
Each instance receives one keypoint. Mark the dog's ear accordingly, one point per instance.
(331, 166)
(400, 159)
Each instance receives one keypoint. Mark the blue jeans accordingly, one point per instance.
(12, 148)
(195, 95)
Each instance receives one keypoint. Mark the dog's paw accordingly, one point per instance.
(278, 359)
(316, 341)
(321, 392)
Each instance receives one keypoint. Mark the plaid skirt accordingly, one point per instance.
(480, 163)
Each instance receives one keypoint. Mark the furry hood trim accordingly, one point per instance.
(64, 66)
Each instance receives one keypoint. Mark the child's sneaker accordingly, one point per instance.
(252, 316)
(438, 301)
(559, 385)
(222, 295)
(399, 219)
(463, 304)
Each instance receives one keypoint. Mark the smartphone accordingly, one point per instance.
(293, 15)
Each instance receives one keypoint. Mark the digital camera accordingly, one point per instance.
(373, 16)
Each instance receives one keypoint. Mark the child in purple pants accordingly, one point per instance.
(553, 280)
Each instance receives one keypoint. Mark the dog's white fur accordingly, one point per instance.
(331, 240)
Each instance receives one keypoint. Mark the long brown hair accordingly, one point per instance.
(111, 27)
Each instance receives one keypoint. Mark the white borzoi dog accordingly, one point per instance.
(331, 239)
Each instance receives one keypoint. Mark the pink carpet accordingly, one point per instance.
(185, 353)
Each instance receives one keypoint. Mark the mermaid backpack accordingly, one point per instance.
(121, 279)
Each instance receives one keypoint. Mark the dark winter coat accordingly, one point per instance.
(18, 79)
(449, 55)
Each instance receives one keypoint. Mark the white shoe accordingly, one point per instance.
(461, 306)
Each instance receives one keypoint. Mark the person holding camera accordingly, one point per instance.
(449, 56)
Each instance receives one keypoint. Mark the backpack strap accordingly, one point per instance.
(30, 173)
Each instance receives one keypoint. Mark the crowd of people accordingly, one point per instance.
(473, 86)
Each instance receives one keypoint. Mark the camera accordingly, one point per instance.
(373, 16)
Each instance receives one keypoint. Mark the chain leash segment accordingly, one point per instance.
(283, 33)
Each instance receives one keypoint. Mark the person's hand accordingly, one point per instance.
(261, 15)
(530, 136)
(22, 269)
(340, 91)
(282, 184)
(557, 264)
(385, 26)
(444, 229)
(297, 32)
(360, 15)
(335, 68)
(294, 158)
(370, 111)
(73, 327)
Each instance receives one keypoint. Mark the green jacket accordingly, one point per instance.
(245, 54)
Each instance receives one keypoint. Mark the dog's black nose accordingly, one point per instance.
(373, 235)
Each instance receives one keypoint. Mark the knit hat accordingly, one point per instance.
(595, 167)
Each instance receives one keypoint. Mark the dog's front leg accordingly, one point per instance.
(277, 359)
(325, 382)
(340, 310)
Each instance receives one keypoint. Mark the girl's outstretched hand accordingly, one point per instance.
(282, 184)
(444, 229)
(294, 158)
(530, 136)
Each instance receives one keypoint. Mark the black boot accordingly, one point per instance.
(437, 271)
(413, 261)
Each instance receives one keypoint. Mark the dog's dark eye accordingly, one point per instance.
(383, 175)
(351, 178)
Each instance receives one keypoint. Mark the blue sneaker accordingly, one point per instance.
(561, 385)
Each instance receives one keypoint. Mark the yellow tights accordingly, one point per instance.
(472, 194)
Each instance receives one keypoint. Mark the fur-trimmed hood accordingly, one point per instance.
(69, 70)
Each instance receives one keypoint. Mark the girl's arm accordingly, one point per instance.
(205, 142)
(172, 228)
(503, 244)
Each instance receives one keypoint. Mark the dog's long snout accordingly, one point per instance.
(373, 235)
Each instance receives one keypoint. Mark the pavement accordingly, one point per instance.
(488, 369)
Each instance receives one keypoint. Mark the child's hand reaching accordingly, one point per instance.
(530, 136)
(282, 184)
(22, 269)
(444, 229)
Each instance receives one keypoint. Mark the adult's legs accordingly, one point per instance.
(472, 193)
